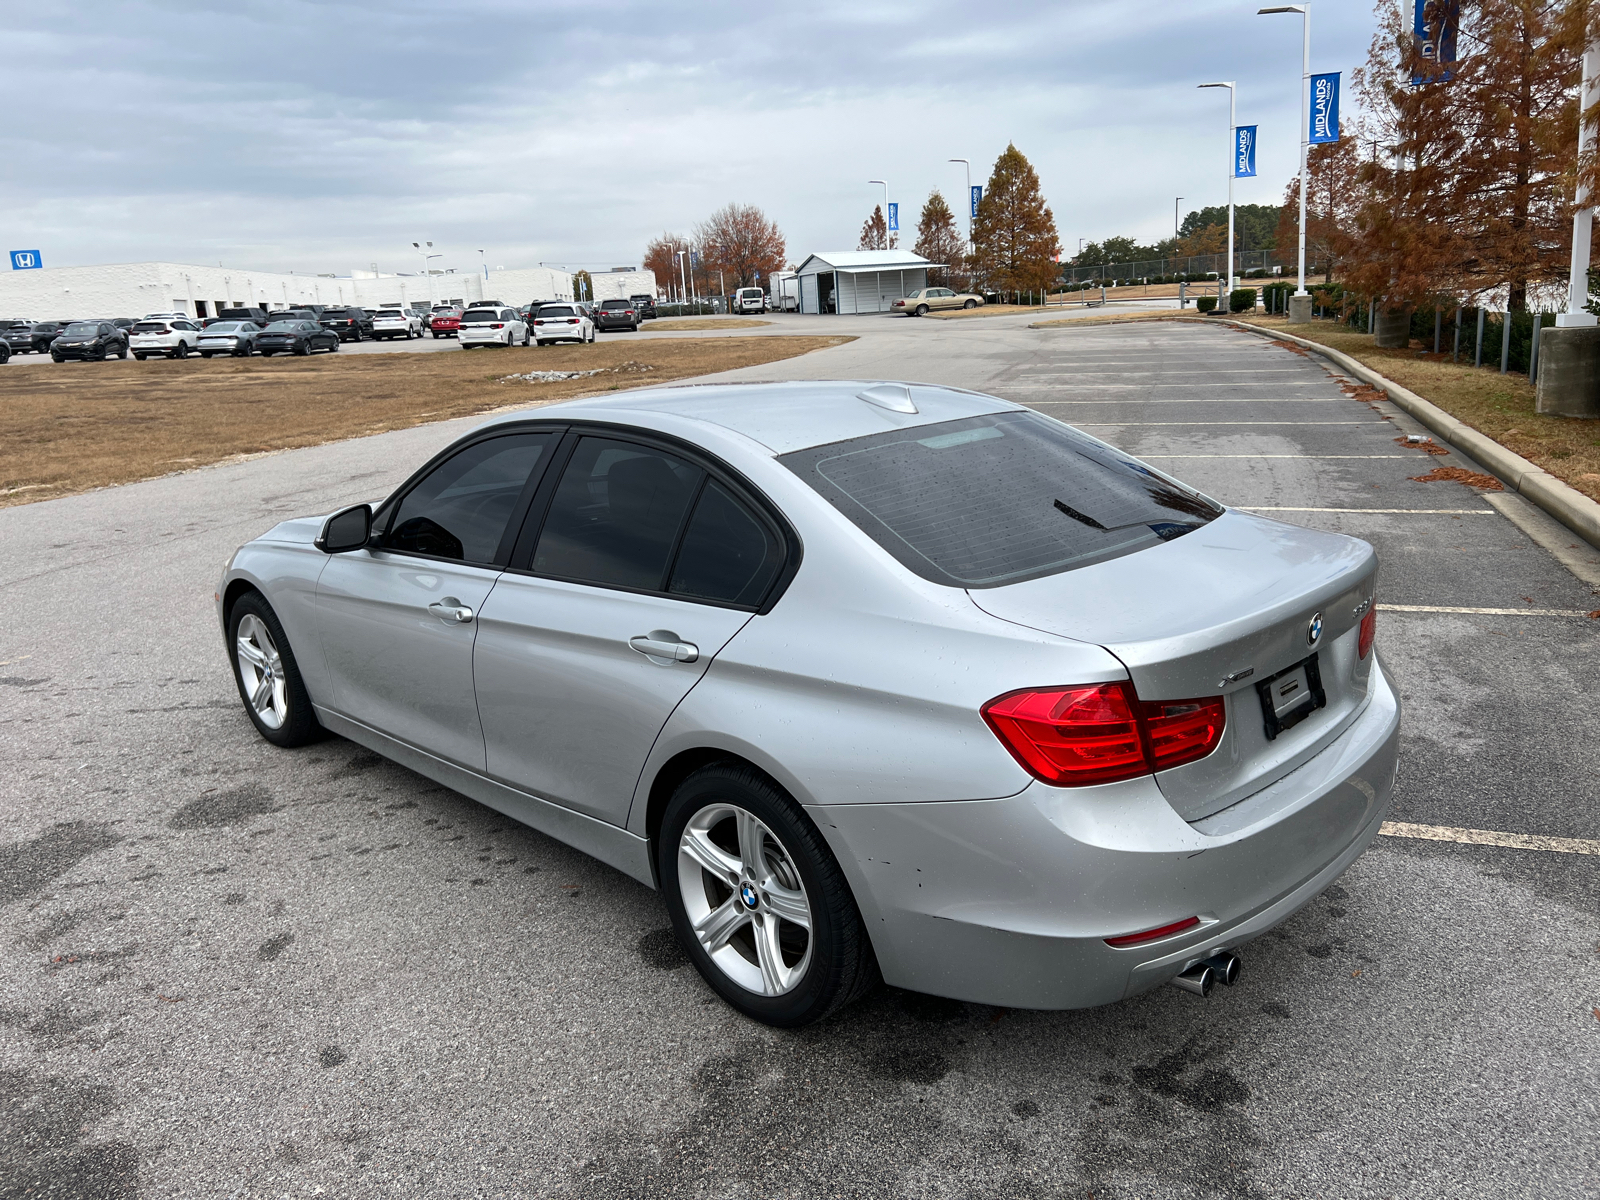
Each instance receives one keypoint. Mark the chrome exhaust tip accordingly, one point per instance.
(1225, 967)
(1198, 979)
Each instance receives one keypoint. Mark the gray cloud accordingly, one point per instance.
(321, 136)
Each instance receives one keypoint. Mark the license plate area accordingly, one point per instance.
(1291, 696)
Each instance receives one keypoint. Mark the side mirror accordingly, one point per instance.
(345, 531)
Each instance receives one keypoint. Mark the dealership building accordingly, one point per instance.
(134, 289)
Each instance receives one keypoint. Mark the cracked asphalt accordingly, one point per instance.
(231, 970)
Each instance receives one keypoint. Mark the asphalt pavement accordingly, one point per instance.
(231, 970)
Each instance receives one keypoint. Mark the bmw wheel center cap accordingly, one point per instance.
(748, 894)
(1314, 630)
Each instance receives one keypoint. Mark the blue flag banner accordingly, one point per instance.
(1244, 151)
(26, 260)
(1324, 108)
(1436, 25)
(977, 195)
(894, 218)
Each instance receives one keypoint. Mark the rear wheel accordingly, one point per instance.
(970, 304)
(182, 351)
(302, 349)
(140, 357)
(757, 900)
(264, 667)
(205, 354)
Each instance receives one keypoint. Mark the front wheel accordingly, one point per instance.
(264, 667)
(757, 899)
(54, 357)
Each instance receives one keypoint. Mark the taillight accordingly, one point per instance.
(1150, 935)
(1072, 737)
(497, 325)
(572, 320)
(1369, 631)
(538, 322)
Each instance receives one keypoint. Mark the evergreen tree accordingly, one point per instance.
(939, 240)
(875, 232)
(1014, 241)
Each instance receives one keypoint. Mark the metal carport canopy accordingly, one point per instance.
(849, 295)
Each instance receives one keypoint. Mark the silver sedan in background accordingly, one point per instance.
(871, 680)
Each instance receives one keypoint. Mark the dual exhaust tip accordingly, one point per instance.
(1203, 976)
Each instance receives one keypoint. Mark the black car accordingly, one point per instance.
(293, 314)
(351, 324)
(616, 314)
(645, 306)
(33, 339)
(295, 337)
(89, 340)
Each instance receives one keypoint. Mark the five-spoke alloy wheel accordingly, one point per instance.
(269, 681)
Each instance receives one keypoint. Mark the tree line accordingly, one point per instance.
(1203, 231)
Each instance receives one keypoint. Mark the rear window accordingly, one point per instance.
(223, 327)
(481, 316)
(615, 305)
(556, 310)
(992, 500)
(150, 327)
(341, 313)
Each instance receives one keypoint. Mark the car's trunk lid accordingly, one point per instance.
(1217, 612)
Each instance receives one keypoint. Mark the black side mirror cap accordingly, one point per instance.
(346, 530)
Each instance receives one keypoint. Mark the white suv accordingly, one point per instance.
(393, 323)
(492, 327)
(561, 323)
(170, 338)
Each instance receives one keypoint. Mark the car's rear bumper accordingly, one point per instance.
(1009, 902)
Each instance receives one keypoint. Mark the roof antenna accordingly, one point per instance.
(896, 397)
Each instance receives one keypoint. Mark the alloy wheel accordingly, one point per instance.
(261, 669)
(745, 899)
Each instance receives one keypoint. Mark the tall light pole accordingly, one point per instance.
(426, 259)
(1305, 124)
(482, 263)
(885, 210)
(968, 195)
(1175, 203)
(1583, 215)
(1233, 123)
(683, 287)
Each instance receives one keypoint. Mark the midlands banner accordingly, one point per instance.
(1244, 151)
(977, 195)
(1324, 108)
(894, 218)
(1437, 23)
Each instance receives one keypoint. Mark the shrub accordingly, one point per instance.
(1205, 304)
(1241, 300)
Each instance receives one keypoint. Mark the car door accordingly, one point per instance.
(645, 565)
(397, 619)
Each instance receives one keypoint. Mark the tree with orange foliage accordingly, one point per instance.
(875, 233)
(939, 240)
(740, 241)
(1333, 192)
(1014, 240)
(660, 257)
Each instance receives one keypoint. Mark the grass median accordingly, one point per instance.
(680, 324)
(1498, 406)
(74, 426)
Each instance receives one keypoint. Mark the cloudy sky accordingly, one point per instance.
(326, 135)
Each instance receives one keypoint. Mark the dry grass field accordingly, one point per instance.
(678, 324)
(70, 427)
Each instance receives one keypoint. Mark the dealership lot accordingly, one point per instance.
(285, 972)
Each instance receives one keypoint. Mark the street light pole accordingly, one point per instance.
(1175, 204)
(1233, 124)
(426, 257)
(1305, 117)
(1583, 215)
(885, 210)
(968, 166)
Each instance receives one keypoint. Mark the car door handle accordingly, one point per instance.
(452, 610)
(662, 643)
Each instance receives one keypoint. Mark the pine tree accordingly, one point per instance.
(1014, 240)
(940, 241)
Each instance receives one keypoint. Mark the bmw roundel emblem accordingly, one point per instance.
(748, 895)
(1314, 630)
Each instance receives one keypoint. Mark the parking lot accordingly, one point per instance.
(238, 971)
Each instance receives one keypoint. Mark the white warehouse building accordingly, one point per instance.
(134, 289)
(859, 281)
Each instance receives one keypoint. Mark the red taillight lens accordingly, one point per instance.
(572, 320)
(498, 325)
(1150, 935)
(538, 322)
(1072, 737)
(1369, 631)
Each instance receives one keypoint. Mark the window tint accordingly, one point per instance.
(615, 305)
(992, 500)
(616, 515)
(556, 310)
(461, 508)
(727, 554)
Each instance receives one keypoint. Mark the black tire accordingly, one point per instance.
(333, 349)
(182, 351)
(841, 966)
(300, 724)
(302, 349)
(54, 357)
(140, 357)
(268, 353)
(205, 354)
(922, 310)
(970, 304)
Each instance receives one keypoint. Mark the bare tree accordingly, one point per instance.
(742, 243)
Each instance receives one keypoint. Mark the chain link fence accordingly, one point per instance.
(1248, 264)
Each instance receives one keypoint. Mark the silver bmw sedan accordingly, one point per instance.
(870, 680)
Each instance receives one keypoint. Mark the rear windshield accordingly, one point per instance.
(992, 500)
(335, 312)
(615, 305)
(556, 310)
(287, 327)
(392, 313)
(749, 293)
(481, 316)
(224, 327)
(150, 327)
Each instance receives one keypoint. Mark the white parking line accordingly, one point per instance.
(1484, 612)
(1192, 383)
(1411, 456)
(1476, 512)
(1205, 400)
(1215, 371)
(1212, 424)
(1489, 837)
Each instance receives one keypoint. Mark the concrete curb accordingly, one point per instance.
(1562, 501)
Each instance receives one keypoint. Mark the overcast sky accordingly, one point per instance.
(330, 135)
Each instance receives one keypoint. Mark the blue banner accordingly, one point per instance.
(1324, 108)
(977, 195)
(894, 218)
(26, 260)
(1244, 151)
(1435, 27)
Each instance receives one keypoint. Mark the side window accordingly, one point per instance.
(616, 515)
(461, 508)
(727, 554)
